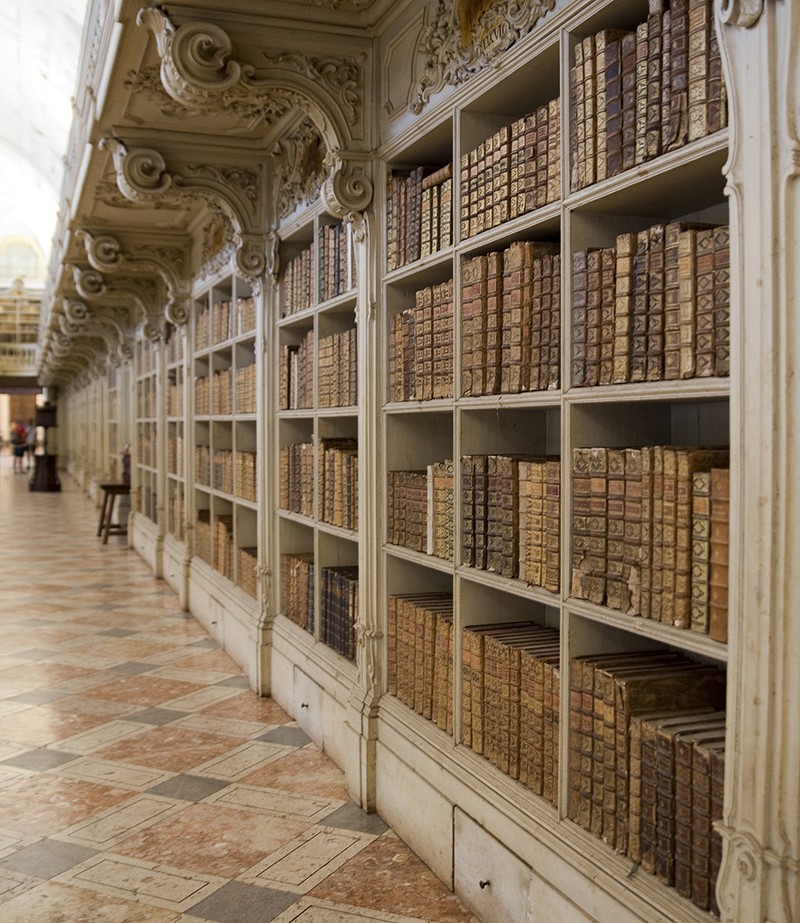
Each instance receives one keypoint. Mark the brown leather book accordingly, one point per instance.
(719, 554)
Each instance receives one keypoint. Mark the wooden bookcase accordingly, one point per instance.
(315, 375)
(146, 462)
(225, 431)
(684, 184)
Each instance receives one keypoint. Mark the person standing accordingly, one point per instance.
(18, 445)
(30, 444)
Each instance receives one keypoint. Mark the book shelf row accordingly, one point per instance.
(215, 394)
(627, 714)
(337, 473)
(330, 263)
(224, 320)
(338, 589)
(216, 470)
(637, 94)
(650, 533)
(419, 217)
(654, 308)
(337, 372)
(513, 172)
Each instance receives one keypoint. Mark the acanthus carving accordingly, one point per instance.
(232, 190)
(348, 187)
(455, 50)
(199, 72)
(744, 13)
(106, 254)
(299, 167)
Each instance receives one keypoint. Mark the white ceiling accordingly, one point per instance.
(39, 48)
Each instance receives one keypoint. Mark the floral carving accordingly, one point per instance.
(455, 50)
(299, 167)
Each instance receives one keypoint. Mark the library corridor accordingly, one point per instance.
(140, 778)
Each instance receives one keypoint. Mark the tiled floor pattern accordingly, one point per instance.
(140, 779)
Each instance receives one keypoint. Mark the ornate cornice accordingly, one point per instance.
(199, 71)
(744, 13)
(106, 253)
(145, 295)
(142, 175)
(78, 320)
(299, 167)
(455, 50)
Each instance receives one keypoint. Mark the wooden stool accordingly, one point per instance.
(105, 527)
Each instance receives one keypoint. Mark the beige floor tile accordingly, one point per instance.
(139, 881)
(242, 760)
(52, 902)
(274, 803)
(136, 778)
(106, 829)
(100, 737)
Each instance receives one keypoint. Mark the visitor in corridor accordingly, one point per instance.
(18, 445)
(30, 444)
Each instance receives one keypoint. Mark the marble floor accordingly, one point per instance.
(140, 778)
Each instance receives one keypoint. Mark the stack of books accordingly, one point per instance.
(510, 511)
(296, 293)
(421, 347)
(337, 266)
(511, 320)
(339, 609)
(510, 700)
(296, 374)
(248, 571)
(513, 172)
(644, 730)
(297, 478)
(297, 589)
(338, 482)
(655, 307)
(246, 389)
(246, 467)
(419, 214)
(650, 534)
(337, 369)
(420, 655)
(636, 95)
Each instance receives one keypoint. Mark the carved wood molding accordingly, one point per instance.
(455, 49)
(107, 253)
(199, 71)
(236, 191)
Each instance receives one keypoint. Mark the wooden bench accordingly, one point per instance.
(105, 526)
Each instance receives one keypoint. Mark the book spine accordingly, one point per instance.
(652, 145)
(719, 554)
(639, 338)
(580, 277)
(704, 307)
(623, 307)
(594, 298)
(722, 301)
(617, 593)
(655, 300)
(672, 307)
(700, 26)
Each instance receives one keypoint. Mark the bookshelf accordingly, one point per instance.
(542, 283)
(145, 467)
(317, 432)
(114, 448)
(175, 349)
(225, 432)
(618, 221)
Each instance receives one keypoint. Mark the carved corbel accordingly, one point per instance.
(236, 190)
(744, 13)
(106, 254)
(348, 187)
(199, 72)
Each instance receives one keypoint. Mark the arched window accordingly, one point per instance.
(19, 259)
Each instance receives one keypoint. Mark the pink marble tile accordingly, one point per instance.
(174, 748)
(211, 840)
(249, 707)
(41, 673)
(143, 690)
(43, 804)
(387, 874)
(53, 902)
(217, 661)
(44, 724)
(306, 771)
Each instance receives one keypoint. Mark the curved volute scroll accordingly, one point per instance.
(78, 320)
(760, 874)
(198, 70)
(106, 253)
(236, 190)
